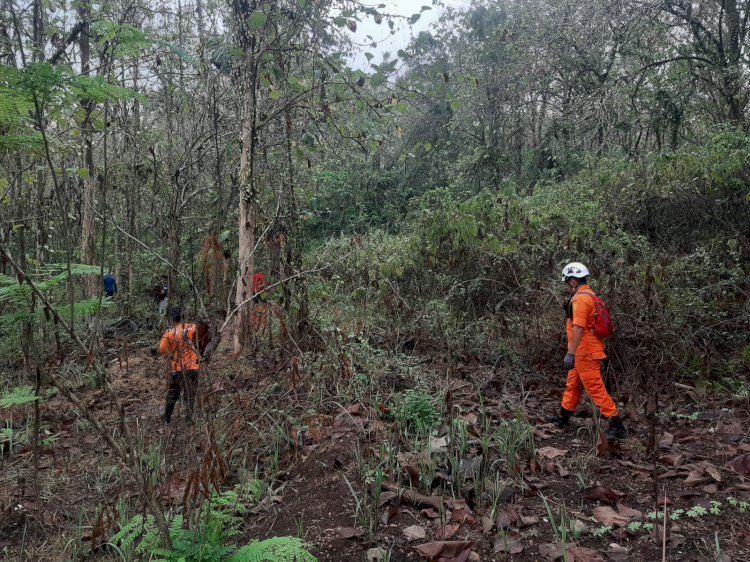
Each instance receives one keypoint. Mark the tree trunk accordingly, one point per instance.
(247, 217)
(88, 219)
(247, 187)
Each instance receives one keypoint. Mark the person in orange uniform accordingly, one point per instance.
(180, 343)
(585, 354)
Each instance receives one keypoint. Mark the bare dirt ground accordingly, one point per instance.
(606, 498)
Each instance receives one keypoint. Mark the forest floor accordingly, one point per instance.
(453, 495)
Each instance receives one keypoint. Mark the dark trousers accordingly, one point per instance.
(180, 381)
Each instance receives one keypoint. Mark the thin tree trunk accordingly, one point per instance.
(88, 219)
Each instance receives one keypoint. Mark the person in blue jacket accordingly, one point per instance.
(110, 285)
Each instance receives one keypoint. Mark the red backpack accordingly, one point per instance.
(604, 327)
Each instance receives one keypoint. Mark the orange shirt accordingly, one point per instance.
(180, 343)
(583, 315)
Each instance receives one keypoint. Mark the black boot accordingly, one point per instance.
(616, 431)
(562, 420)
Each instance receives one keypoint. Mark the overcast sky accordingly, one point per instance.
(400, 39)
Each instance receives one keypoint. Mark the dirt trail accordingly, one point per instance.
(325, 474)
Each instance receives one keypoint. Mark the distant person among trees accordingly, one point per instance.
(585, 313)
(163, 294)
(181, 344)
(110, 285)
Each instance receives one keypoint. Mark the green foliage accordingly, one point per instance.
(18, 396)
(46, 279)
(220, 520)
(276, 549)
(415, 410)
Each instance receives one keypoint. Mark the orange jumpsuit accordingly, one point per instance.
(586, 373)
(180, 344)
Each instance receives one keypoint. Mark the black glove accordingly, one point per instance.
(570, 360)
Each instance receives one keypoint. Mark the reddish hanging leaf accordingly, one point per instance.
(429, 513)
(741, 465)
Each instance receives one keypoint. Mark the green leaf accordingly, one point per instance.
(369, 56)
(401, 108)
(414, 18)
(301, 3)
(376, 80)
(427, 146)
(402, 54)
(18, 397)
(83, 173)
(256, 20)
(340, 21)
(275, 95)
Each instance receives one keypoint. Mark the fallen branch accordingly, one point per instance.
(413, 497)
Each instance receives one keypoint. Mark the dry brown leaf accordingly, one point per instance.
(508, 545)
(551, 453)
(487, 524)
(632, 514)
(463, 514)
(666, 440)
(445, 551)
(550, 551)
(503, 519)
(741, 465)
(349, 532)
(389, 513)
(447, 531)
(429, 513)
(609, 517)
(694, 478)
(602, 446)
(603, 494)
(414, 532)
(580, 554)
(713, 472)
(672, 459)
(676, 540)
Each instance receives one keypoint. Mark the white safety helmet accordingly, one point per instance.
(574, 269)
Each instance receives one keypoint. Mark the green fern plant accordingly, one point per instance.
(18, 396)
(276, 549)
(220, 519)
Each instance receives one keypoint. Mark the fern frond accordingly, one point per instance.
(276, 549)
(19, 396)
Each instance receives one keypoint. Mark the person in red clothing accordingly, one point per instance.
(180, 343)
(585, 354)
